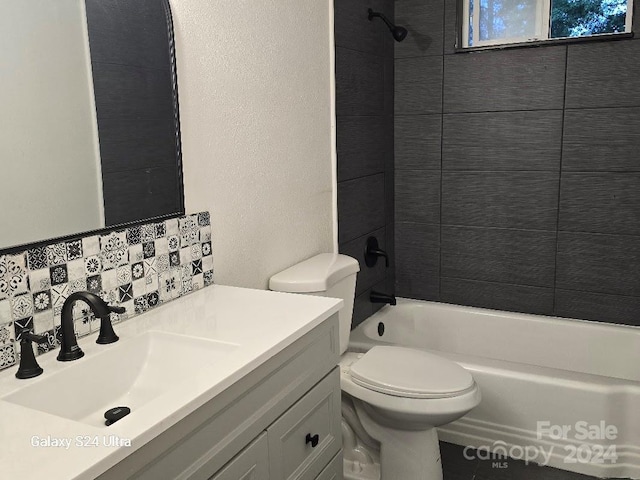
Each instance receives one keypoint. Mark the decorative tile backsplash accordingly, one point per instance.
(137, 268)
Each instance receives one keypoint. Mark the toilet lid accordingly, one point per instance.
(410, 373)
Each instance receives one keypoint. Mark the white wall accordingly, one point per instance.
(255, 80)
(50, 182)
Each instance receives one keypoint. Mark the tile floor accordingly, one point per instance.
(456, 467)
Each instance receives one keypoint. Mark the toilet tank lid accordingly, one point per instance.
(316, 274)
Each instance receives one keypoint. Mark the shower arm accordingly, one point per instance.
(373, 14)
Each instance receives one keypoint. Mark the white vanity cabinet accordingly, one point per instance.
(250, 464)
(280, 421)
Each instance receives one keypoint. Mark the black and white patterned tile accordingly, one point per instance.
(138, 268)
(42, 301)
(6, 333)
(57, 254)
(74, 250)
(189, 230)
(37, 258)
(114, 249)
(13, 275)
(7, 355)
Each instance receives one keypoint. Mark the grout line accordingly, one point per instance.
(496, 282)
(444, 29)
(382, 172)
(364, 52)
(564, 104)
(515, 229)
(441, 172)
(482, 112)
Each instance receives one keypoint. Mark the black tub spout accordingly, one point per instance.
(378, 297)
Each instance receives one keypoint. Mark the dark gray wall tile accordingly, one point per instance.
(503, 126)
(450, 26)
(390, 246)
(362, 309)
(501, 296)
(600, 202)
(365, 97)
(145, 193)
(389, 76)
(507, 269)
(417, 261)
(417, 141)
(389, 197)
(359, 83)
(605, 74)
(423, 20)
(128, 33)
(353, 29)
(502, 141)
(598, 306)
(604, 139)
(389, 163)
(500, 199)
(418, 85)
(129, 93)
(599, 263)
(361, 207)
(368, 276)
(515, 79)
(363, 146)
(388, 8)
(523, 257)
(137, 143)
(417, 197)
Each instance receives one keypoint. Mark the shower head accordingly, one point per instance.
(399, 33)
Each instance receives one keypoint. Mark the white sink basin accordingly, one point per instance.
(129, 373)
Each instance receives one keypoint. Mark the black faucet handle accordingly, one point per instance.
(372, 251)
(32, 337)
(382, 253)
(116, 309)
(29, 367)
(107, 335)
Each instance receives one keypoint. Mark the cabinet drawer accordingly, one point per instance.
(250, 464)
(293, 436)
(333, 471)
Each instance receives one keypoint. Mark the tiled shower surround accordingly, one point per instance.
(137, 268)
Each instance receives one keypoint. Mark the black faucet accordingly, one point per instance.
(29, 367)
(372, 251)
(377, 297)
(69, 349)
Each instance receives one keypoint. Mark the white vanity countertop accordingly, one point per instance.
(262, 323)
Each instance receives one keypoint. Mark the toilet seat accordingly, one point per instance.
(439, 410)
(410, 373)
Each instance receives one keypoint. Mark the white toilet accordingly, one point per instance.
(395, 396)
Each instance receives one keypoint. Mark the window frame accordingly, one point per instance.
(541, 38)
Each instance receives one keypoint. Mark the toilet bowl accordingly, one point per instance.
(400, 396)
(393, 397)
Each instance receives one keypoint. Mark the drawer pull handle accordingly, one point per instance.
(313, 439)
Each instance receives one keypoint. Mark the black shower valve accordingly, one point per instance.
(372, 251)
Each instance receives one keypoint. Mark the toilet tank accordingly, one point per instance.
(327, 275)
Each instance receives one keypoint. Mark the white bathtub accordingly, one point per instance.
(583, 377)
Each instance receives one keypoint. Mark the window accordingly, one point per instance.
(500, 22)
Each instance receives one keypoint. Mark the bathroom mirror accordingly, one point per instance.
(89, 133)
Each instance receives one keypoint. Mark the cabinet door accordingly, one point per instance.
(305, 439)
(333, 471)
(252, 463)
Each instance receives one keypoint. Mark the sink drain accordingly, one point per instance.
(114, 414)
